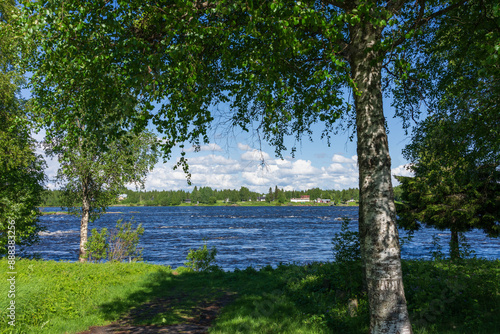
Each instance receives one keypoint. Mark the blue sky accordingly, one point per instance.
(239, 159)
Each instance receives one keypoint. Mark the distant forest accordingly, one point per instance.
(207, 195)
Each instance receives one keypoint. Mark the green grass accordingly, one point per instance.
(446, 297)
(60, 297)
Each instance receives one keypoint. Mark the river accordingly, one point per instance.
(244, 236)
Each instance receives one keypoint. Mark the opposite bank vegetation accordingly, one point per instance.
(209, 196)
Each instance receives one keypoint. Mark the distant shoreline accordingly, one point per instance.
(48, 213)
(244, 204)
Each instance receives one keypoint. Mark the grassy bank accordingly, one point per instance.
(59, 297)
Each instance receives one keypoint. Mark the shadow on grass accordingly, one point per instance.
(442, 298)
(289, 299)
(453, 297)
(167, 298)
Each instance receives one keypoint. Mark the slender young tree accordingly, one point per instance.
(92, 175)
(281, 65)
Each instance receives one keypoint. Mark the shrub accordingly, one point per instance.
(97, 245)
(348, 272)
(117, 244)
(123, 242)
(346, 246)
(202, 258)
(437, 250)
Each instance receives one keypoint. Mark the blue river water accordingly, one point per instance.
(244, 236)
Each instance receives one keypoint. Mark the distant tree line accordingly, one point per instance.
(207, 195)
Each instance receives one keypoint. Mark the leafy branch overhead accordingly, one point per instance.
(293, 66)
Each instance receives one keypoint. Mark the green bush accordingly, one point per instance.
(348, 274)
(449, 294)
(97, 245)
(117, 244)
(201, 259)
(346, 246)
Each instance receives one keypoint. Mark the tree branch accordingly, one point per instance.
(346, 5)
(395, 6)
(420, 20)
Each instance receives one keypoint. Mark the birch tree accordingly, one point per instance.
(91, 176)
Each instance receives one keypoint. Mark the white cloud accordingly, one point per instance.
(244, 147)
(256, 155)
(52, 167)
(337, 158)
(206, 148)
(216, 181)
(283, 163)
(257, 179)
(52, 163)
(250, 168)
(343, 166)
(211, 159)
(337, 168)
(401, 170)
(257, 171)
(303, 167)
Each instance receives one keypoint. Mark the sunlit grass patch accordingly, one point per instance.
(58, 297)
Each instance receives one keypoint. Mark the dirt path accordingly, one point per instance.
(198, 321)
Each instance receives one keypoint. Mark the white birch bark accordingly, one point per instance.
(84, 223)
(377, 214)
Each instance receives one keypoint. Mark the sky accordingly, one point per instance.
(239, 159)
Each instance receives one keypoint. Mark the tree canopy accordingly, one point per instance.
(92, 174)
(21, 169)
(453, 188)
(455, 152)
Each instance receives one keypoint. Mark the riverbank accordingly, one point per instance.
(47, 213)
(221, 204)
(58, 297)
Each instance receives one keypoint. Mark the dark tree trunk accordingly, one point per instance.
(377, 214)
(454, 245)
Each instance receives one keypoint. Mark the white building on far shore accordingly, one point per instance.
(121, 197)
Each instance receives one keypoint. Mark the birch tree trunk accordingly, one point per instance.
(377, 213)
(84, 223)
